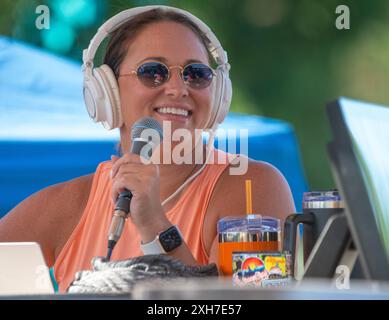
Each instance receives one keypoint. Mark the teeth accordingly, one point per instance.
(181, 112)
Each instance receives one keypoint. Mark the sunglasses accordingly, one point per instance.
(154, 74)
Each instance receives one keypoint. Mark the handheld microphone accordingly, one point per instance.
(141, 145)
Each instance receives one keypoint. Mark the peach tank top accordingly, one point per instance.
(89, 238)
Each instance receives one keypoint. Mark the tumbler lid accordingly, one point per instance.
(322, 200)
(250, 223)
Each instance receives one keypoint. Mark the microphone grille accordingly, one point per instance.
(145, 123)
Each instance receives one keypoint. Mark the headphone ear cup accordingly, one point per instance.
(226, 96)
(222, 94)
(92, 96)
(108, 106)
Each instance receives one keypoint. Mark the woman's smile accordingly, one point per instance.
(173, 112)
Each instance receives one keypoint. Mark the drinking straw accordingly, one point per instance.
(249, 203)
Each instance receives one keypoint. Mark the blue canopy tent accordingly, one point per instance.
(46, 136)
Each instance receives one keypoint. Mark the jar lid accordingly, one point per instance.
(251, 223)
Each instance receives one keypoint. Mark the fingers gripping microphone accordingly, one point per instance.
(145, 133)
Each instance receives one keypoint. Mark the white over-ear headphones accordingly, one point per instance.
(101, 91)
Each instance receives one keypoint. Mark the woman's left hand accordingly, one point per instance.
(128, 172)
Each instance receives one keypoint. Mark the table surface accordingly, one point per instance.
(206, 289)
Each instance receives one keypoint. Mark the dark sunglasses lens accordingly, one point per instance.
(198, 75)
(152, 74)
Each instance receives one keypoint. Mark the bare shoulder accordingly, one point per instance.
(48, 216)
(271, 194)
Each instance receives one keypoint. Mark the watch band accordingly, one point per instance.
(155, 246)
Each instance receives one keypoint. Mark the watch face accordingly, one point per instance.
(170, 239)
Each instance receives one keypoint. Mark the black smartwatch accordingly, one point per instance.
(165, 242)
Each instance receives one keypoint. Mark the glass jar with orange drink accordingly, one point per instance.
(251, 233)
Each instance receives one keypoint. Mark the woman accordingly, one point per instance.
(71, 220)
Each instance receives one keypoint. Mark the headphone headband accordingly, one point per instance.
(214, 46)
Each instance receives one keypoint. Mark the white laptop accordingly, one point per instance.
(23, 270)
